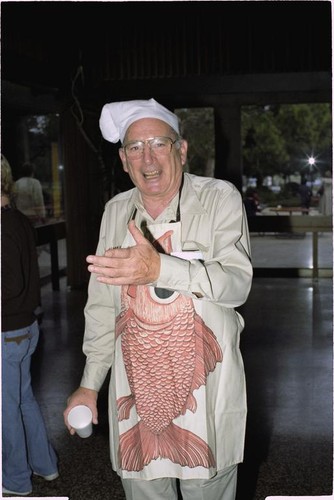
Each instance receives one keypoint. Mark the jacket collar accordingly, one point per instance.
(190, 204)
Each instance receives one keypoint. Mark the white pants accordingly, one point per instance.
(220, 487)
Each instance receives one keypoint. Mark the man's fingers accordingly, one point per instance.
(110, 260)
(137, 234)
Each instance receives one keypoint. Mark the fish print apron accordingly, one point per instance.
(164, 355)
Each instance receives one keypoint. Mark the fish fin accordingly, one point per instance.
(124, 405)
(207, 354)
(164, 243)
(190, 404)
(208, 350)
(185, 448)
(132, 291)
(139, 446)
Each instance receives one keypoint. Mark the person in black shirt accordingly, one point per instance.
(26, 449)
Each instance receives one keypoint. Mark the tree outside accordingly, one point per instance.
(198, 127)
(282, 146)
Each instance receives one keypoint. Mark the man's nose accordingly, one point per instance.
(147, 153)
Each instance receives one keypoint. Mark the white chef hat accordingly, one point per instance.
(116, 117)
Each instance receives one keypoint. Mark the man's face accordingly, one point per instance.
(154, 175)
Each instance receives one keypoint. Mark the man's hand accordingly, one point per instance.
(136, 265)
(81, 396)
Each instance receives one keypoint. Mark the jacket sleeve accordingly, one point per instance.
(225, 275)
(99, 339)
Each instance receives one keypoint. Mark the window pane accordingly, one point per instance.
(198, 129)
(39, 147)
(285, 148)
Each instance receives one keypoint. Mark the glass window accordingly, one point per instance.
(39, 158)
(39, 187)
(286, 153)
(287, 167)
(198, 128)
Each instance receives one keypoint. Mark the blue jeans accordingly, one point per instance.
(25, 445)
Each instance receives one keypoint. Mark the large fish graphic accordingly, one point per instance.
(168, 352)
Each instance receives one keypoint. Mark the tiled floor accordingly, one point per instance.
(287, 346)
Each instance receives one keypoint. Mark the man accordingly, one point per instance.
(172, 263)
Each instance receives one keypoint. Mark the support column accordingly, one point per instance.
(83, 193)
(228, 143)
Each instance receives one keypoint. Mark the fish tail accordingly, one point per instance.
(185, 448)
(139, 446)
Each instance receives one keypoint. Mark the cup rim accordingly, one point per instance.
(88, 411)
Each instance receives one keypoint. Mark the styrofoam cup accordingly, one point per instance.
(80, 419)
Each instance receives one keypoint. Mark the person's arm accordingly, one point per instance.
(12, 278)
(19, 268)
(225, 277)
(98, 343)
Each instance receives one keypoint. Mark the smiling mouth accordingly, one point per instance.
(151, 175)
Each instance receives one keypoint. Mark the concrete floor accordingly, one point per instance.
(287, 347)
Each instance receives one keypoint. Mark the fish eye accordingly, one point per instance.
(162, 295)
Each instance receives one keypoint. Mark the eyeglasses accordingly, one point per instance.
(159, 146)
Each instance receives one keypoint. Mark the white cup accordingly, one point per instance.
(80, 418)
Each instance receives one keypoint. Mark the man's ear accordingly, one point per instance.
(183, 151)
(123, 159)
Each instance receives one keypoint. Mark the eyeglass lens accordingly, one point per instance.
(159, 146)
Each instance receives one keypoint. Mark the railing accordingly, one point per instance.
(53, 232)
(291, 224)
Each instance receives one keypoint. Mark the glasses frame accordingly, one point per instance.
(147, 142)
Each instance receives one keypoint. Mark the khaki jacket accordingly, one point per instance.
(207, 433)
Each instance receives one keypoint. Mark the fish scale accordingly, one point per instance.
(157, 402)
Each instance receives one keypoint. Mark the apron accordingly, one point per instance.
(164, 354)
